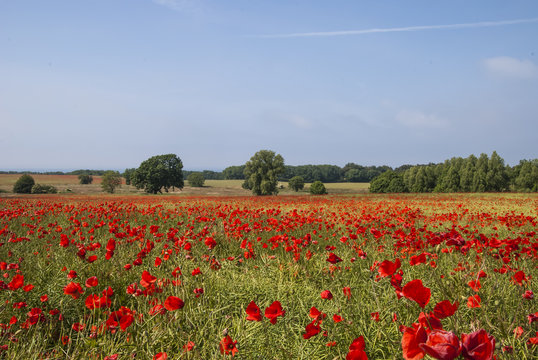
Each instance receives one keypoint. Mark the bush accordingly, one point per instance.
(43, 189)
(24, 184)
(196, 179)
(85, 179)
(296, 183)
(317, 188)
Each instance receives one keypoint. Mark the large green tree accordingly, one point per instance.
(262, 171)
(24, 184)
(159, 172)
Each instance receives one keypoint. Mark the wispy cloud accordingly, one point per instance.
(506, 66)
(404, 29)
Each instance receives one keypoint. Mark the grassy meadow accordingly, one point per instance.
(277, 277)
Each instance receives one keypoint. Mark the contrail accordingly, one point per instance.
(403, 29)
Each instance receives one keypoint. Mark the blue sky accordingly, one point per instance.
(108, 83)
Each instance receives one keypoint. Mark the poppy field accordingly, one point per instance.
(433, 276)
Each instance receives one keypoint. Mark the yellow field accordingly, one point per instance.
(70, 183)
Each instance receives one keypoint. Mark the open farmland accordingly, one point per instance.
(70, 183)
(285, 277)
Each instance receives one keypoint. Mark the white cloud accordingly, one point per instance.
(511, 67)
(418, 119)
(404, 29)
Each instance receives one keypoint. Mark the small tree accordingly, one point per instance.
(196, 179)
(110, 181)
(85, 179)
(262, 171)
(317, 188)
(296, 183)
(24, 184)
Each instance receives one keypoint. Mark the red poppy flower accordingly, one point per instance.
(147, 279)
(210, 242)
(92, 281)
(253, 312)
(78, 327)
(188, 346)
(333, 259)
(414, 290)
(196, 272)
(374, 316)
(442, 345)
(445, 309)
(73, 289)
(519, 277)
(227, 346)
(474, 301)
(316, 314)
(356, 350)
(337, 318)
(417, 259)
(160, 356)
(16, 283)
(173, 303)
(387, 268)
(475, 285)
(529, 295)
(429, 322)
(326, 294)
(311, 329)
(273, 311)
(411, 339)
(347, 292)
(478, 345)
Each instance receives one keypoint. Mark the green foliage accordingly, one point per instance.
(128, 174)
(196, 179)
(85, 179)
(24, 184)
(110, 181)
(296, 183)
(234, 173)
(317, 188)
(388, 182)
(262, 171)
(526, 176)
(44, 189)
(158, 172)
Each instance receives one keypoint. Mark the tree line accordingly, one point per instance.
(471, 174)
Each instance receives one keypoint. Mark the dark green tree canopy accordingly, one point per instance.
(296, 183)
(262, 172)
(24, 184)
(317, 188)
(158, 172)
(85, 179)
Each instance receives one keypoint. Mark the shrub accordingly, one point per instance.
(43, 189)
(24, 184)
(317, 188)
(296, 183)
(196, 179)
(85, 179)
